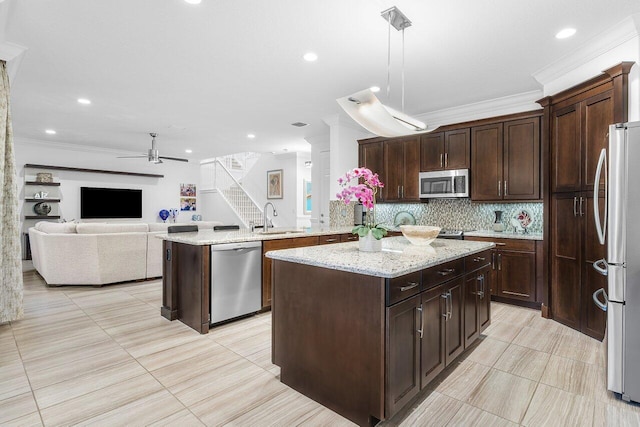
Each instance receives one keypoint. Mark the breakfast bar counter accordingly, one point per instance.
(363, 333)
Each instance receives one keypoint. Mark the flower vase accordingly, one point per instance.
(497, 224)
(369, 243)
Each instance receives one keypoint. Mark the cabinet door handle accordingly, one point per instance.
(499, 261)
(411, 286)
(398, 191)
(168, 256)
(402, 191)
(575, 208)
(499, 189)
(446, 160)
(421, 330)
(446, 271)
(450, 297)
(493, 261)
(581, 203)
(481, 291)
(505, 187)
(446, 306)
(441, 161)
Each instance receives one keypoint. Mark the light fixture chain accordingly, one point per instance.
(403, 69)
(389, 57)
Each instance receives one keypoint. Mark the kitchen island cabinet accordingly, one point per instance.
(363, 333)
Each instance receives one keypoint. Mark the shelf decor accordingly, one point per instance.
(370, 233)
(42, 208)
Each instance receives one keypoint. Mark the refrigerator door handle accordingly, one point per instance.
(602, 306)
(601, 229)
(601, 267)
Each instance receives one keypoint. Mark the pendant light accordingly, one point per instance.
(367, 110)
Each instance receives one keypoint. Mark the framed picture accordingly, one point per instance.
(306, 196)
(187, 190)
(187, 203)
(274, 184)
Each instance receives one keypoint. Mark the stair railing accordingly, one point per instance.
(223, 180)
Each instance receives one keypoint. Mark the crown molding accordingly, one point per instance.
(511, 104)
(604, 42)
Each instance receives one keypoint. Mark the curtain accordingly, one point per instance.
(11, 286)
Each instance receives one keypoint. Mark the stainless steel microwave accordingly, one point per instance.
(444, 184)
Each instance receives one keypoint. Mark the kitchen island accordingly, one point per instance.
(363, 333)
(187, 266)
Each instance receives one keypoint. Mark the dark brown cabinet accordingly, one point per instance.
(370, 156)
(514, 269)
(445, 150)
(433, 330)
(272, 245)
(580, 132)
(477, 300)
(505, 160)
(579, 120)
(403, 347)
(574, 249)
(401, 168)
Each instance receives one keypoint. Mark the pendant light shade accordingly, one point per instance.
(365, 108)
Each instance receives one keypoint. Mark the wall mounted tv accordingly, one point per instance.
(110, 203)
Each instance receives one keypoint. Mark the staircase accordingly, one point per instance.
(225, 182)
(244, 206)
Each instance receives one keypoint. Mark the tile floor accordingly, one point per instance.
(105, 356)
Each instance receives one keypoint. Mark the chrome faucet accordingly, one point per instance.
(266, 218)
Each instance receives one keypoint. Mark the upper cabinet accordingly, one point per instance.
(505, 160)
(401, 169)
(580, 132)
(445, 150)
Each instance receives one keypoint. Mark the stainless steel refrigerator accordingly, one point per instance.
(619, 227)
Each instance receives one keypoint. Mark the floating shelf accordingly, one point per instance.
(42, 217)
(49, 184)
(31, 199)
(65, 168)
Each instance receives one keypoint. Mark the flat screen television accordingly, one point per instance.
(110, 203)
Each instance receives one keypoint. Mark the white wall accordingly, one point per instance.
(255, 183)
(215, 208)
(157, 193)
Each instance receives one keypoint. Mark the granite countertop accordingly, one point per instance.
(504, 234)
(398, 256)
(210, 237)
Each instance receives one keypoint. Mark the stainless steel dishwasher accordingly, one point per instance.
(236, 280)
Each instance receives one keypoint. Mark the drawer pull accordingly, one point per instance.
(411, 286)
(352, 238)
(478, 259)
(501, 244)
(331, 240)
(446, 271)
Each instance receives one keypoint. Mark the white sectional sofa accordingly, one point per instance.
(98, 253)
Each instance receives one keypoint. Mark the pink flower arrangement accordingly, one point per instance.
(365, 192)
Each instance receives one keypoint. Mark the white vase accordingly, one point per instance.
(369, 243)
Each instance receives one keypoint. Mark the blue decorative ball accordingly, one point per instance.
(164, 214)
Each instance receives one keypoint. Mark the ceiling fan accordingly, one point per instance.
(153, 155)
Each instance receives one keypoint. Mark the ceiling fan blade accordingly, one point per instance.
(132, 157)
(177, 159)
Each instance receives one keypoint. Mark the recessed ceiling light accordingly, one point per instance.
(251, 136)
(374, 89)
(84, 101)
(567, 32)
(285, 149)
(50, 131)
(188, 151)
(310, 57)
(193, 1)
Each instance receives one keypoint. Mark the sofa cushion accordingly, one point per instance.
(56, 227)
(159, 226)
(101, 228)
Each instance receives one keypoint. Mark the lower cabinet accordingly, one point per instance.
(425, 333)
(477, 303)
(516, 269)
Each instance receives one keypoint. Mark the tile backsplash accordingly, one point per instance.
(446, 213)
